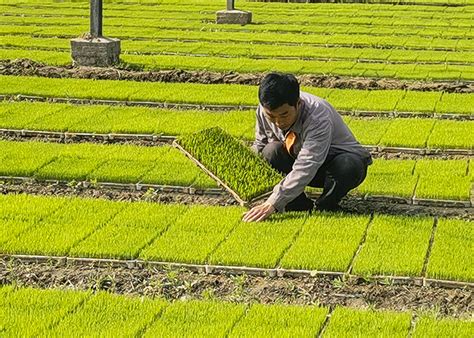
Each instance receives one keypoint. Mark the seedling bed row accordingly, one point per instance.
(223, 108)
(161, 138)
(237, 270)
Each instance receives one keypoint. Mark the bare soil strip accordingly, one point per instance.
(116, 192)
(28, 67)
(174, 283)
(151, 140)
(185, 195)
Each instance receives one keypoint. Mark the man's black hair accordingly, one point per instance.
(276, 89)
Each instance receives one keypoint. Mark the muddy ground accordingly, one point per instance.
(349, 204)
(77, 190)
(28, 67)
(173, 284)
(145, 141)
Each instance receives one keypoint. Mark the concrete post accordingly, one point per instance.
(233, 16)
(96, 18)
(93, 49)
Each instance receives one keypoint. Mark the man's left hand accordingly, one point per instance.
(259, 213)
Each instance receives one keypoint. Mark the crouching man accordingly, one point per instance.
(302, 136)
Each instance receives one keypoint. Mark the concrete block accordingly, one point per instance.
(234, 17)
(95, 52)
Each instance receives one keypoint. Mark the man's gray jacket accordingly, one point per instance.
(319, 131)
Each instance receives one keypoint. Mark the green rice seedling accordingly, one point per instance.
(29, 41)
(401, 133)
(327, 242)
(28, 207)
(121, 171)
(202, 93)
(452, 252)
(194, 235)
(394, 246)
(280, 321)
(18, 213)
(415, 101)
(109, 315)
(446, 186)
(241, 169)
(29, 312)
(203, 181)
(19, 115)
(23, 158)
(51, 58)
(369, 131)
(367, 323)
(452, 135)
(174, 161)
(447, 168)
(323, 93)
(428, 326)
(68, 117)
(389, 177)
(74, 222)
(348, 99)
(69, 168)
(456, 104)
(381, 100)
(267, 240)
(196, 319)
(130, 231)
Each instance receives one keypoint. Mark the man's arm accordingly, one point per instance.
(260, 135)
(312, 155)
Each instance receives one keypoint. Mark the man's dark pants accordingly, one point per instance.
(338, 174)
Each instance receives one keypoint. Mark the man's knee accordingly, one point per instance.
(349, 169)
(278, 158)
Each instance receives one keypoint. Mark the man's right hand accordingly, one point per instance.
(259, 213)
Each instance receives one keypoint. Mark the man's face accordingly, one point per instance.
(283, 116)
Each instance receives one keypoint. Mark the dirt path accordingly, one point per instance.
(28, 67)
(174, 284)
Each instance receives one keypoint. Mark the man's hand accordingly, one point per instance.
(259, 213)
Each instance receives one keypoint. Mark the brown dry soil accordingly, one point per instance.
(348, 204)
(173, 284)
(29, 67)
